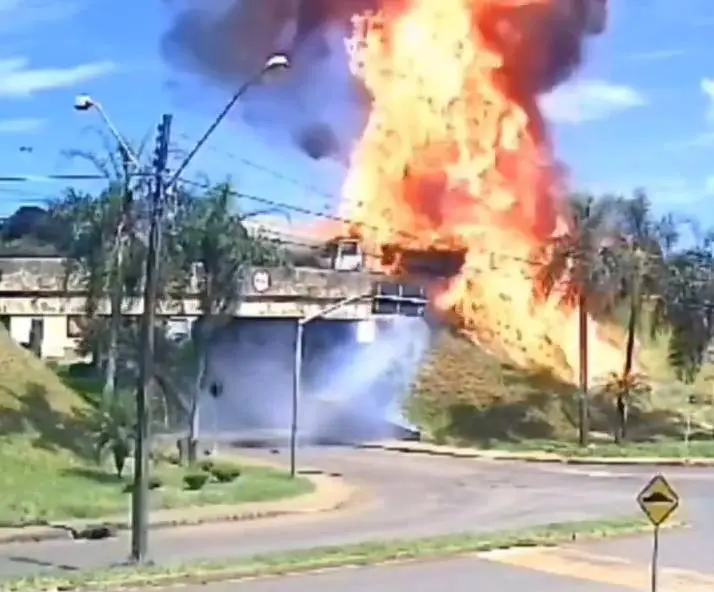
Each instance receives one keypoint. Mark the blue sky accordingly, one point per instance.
(641, 113)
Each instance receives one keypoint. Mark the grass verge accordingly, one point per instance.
(659, 449)
(330, 557)
(47, 454)
(39, 487)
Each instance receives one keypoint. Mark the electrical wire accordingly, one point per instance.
(272, 173)
(34, 178)
(319, 249)
(280, 205)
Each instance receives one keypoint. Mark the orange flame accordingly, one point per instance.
(456, 157)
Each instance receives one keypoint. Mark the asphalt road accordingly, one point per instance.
(412, 496)
(460, 575)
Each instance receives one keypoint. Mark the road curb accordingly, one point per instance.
(325, 558)
(540, 457)
(331, 493)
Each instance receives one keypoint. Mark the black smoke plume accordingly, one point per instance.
(317, 101)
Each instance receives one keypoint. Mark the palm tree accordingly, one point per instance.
(98, 256)
(114, 425)
(216, 249)
(642, 273)
(580, 266)
(104, 234)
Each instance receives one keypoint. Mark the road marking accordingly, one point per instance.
(603, 569)
(624, 472)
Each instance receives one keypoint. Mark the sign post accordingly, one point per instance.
(658, 501)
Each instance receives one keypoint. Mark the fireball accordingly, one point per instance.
(456, 159)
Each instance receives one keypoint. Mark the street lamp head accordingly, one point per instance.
(83, 103)
(276, 61)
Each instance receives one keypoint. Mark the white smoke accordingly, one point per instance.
(351, 392)
(361, 390)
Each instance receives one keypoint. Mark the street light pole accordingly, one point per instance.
(277, 61)
(377, 299)
(85, 103)
(297, 369)
(297, 392)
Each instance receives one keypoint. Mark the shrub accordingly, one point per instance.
(170, 458)
(195, 481)
(206, 465)
(225, 473)
(155, 482)
(81, 370)
(113, 427)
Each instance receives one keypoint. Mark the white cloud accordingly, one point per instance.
(19, 126)
(592, 100)
(18, 80)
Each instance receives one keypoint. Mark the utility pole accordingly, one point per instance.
(140, 492)
(583, 346)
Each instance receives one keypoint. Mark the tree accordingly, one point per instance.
(642, 275)
(580, 266)
(114, 426)
(97, 258)
(689, 306)
(212, 246)
(106, 246)
(31, 230)
(624, 387)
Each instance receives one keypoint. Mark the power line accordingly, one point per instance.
(320, 250)
(332, 217)
(41, 178)
(305, 211)
(271, 172)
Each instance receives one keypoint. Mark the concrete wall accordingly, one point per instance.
(41, 277)
(43, 288)
(250, 307)
(56, 342)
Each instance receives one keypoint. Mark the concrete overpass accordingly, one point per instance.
(36, 290)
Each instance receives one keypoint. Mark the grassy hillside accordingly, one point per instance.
(463, 394)
(43, 434)
(35, 405)
(47, 459)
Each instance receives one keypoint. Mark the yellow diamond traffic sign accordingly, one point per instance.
(658, 500)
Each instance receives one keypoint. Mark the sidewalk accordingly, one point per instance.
(534, 455)
(330, 493)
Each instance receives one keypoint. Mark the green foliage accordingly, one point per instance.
(114, 425)
(155, 482)
(213, 246)
(195, 480)
(32, 231)
(225, 472)
(209, 250)
(206, 465)
(689, 296)
(582, 260)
